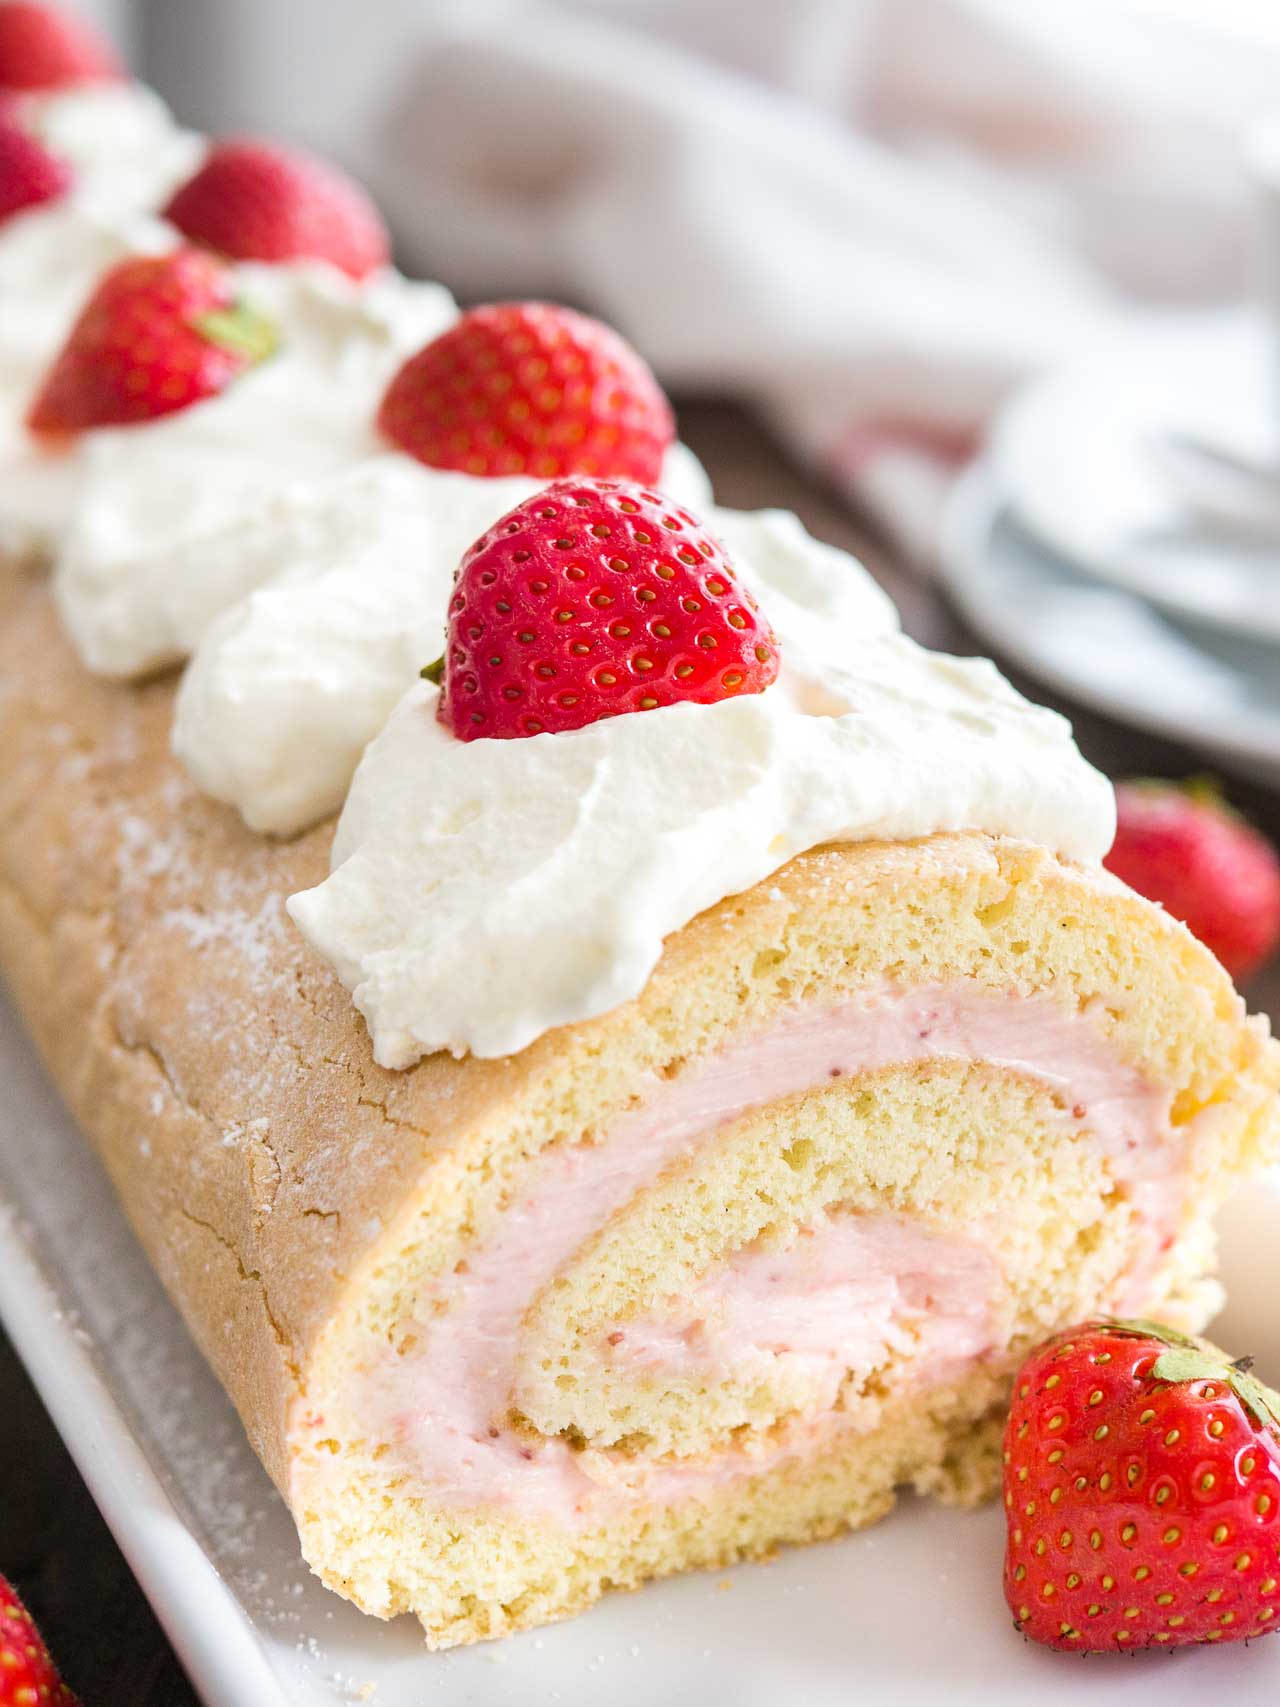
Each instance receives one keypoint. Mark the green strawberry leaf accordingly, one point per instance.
(1262, 1401)
(1189, 1363)
(1195, 1363)
(239, 328)
(433, 672)
(1142, 1329)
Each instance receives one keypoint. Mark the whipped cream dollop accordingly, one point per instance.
(119, 138)
(345, 595)
(552, 868)
(127, 155)
(163, 510)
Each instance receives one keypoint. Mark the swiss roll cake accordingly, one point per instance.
(615, 1052)
(721, 1266)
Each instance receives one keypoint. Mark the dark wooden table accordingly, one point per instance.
(52, 1541)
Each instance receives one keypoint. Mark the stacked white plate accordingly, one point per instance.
(1120, 539)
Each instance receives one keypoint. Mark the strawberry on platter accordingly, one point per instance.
(1184, 847)
(28, 1676)
(1142, 1492)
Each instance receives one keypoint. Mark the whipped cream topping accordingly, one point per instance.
(119, 138)
(270, 525)
(127, 154)
(150, 554)
(285, 690)
(553, 867)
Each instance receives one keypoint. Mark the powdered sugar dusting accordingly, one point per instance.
(254, 934)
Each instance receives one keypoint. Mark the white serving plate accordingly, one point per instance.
(1104, 648)
(909, 1613)
(1076, 454)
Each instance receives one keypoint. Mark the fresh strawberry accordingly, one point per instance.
(29, 174)
(1186, 849)
(44, 48)
(1142, 1493)
(28, 1677)
(590, 599)
(257, 201)
(159, 333)
(529, 388)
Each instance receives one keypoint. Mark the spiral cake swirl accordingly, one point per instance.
(727, 1267)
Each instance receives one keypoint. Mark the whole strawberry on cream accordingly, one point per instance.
(529, 388)
(86, 159)
(613, 742)
(160, 546)
(259, 201)
(45, 47)
(588, 602)
(160, 334)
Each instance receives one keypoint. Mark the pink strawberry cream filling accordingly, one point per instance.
(844, 1294)
(848, 1294)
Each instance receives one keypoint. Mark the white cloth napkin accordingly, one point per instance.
(868, 218)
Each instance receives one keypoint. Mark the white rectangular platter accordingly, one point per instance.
(909, 1613)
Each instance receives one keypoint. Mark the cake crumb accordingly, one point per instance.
(349, 1690)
